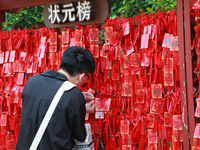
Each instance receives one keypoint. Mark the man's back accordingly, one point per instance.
(67, 120)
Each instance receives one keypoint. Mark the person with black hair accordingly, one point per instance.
(68, 120)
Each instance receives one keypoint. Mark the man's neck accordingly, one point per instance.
(72, 79)
(64, 72)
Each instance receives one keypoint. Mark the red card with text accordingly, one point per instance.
(126, 28)
(99, 113)
(152, 136)
(156, 90)
(108, 73)
(135, 34)
(107, 104)
(149, 29)
(167, 40)
(53, 38)
(65, 37)
(12, 56)
(126, 77)
(20, 78)
(174, 44)
(130, 49)
(42, 42)
(150, 121)
(94, 35)
(9, 42)
(108, 64)
(167, 119)
(154, 30)
(127, 61)
(145, 61)
(140, 96)
(6, 56)
(197, 131)
(116, 106)
(127, 89)
(126, 139)
(42, 52)
(144, 41)
(115, 70)
(124, 126)
(10, 69)
(95, 50)
(115, 39)
(37, 51)
(108, 33)
(135, 60)
(72, 43)
(177, 122)
(78, 35)
(138, 85)
(5, 68)
(168, 66)
(98, 103)
(157, 106)
(177, 136)
(3, 120)
(165, 53)
(168, 78)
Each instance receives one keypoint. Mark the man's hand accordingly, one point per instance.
(88, 96)
(90, 106)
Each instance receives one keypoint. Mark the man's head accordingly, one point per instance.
(78, 63)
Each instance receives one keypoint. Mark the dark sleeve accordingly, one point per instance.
(76, 120)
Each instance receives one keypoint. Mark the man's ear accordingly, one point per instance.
(81, 77)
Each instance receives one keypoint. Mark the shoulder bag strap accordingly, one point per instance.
(64, 87)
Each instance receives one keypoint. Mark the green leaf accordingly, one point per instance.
(124, 2)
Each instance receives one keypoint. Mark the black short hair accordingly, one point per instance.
(77, 60)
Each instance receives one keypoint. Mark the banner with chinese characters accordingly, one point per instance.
(136, 82)
(69, 13)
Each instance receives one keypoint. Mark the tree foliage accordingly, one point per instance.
(33, 16)
(29, 17)
(130, 8)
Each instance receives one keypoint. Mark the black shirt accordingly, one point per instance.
(68, 119)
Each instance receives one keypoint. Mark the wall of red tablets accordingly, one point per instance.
(131, 53)
(136, 83)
